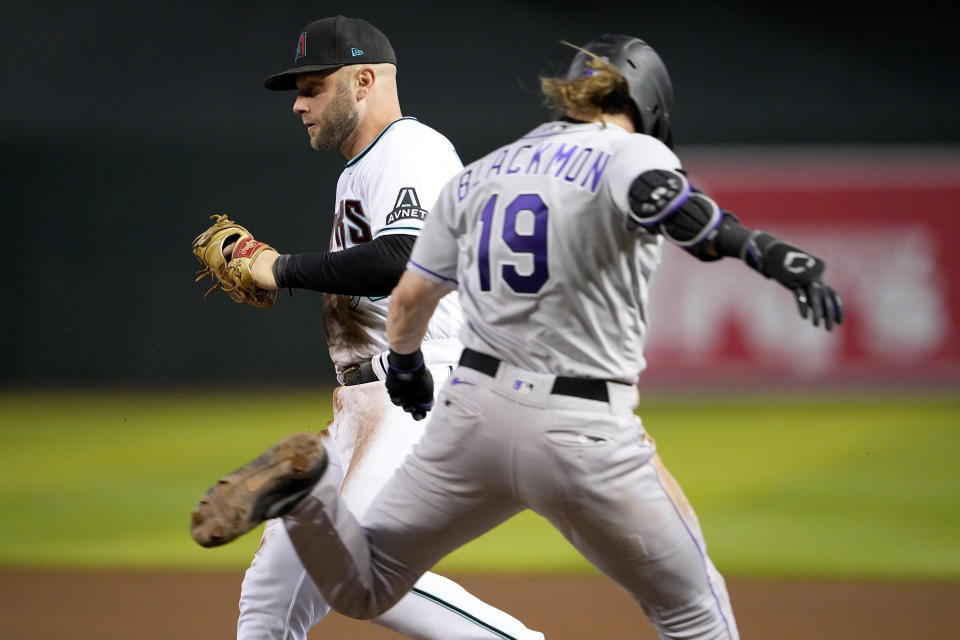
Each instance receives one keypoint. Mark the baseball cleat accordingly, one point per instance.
(265, 488)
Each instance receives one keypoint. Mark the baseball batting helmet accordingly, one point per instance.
(646, 75)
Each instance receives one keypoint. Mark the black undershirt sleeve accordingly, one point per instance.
(370, 269)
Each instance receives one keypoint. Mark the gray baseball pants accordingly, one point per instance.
(496, 445)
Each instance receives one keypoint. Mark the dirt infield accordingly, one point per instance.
(148, 606)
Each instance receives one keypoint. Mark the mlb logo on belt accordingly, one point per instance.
(522, 386)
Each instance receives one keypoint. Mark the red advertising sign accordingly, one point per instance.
(886, 224)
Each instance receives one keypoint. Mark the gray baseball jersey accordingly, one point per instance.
(536, 230)
(554, 289)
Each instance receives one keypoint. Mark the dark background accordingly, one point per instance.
(124, 126)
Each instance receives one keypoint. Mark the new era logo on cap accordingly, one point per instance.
(356, 52)
(301, 47)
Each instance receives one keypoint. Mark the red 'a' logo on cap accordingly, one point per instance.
(301, 46)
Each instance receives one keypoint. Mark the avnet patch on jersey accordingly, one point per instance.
(407, 206)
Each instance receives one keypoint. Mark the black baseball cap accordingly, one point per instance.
(330, 43)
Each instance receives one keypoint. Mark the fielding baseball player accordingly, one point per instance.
(345, 76)
(551, 242)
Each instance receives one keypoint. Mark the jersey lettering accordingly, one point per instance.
(483, 251)
(350, 221)
(336, 237)
(360, 228)
(560, 159)
(579, 166)
(524, 231)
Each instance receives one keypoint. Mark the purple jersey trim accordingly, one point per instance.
(556, 133)
(700, 551)
(545, 135)
(433, 273)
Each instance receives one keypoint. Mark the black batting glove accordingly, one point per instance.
(409, 383)
(819, 302)
(798, 271)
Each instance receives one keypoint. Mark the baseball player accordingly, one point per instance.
(551, 242)
(345, 77)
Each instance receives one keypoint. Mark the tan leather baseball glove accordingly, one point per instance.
(233, 274)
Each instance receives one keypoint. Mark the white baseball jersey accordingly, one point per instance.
(388, 188)
(534, 235)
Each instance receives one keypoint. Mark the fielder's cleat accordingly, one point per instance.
(265, 488)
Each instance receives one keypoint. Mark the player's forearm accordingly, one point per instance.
(370, 269)
(663, 202)
(412, 304)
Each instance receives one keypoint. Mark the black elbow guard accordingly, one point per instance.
(655, 195)
(663, 202)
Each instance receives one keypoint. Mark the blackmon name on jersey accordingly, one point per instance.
(567, 163)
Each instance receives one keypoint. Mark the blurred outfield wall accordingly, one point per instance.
(123, 127)
(885, 221)
(105, 293)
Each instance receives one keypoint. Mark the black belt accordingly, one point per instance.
(587, 388)
(360, 373)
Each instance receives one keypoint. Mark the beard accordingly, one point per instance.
(338, 122)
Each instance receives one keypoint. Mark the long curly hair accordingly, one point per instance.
(601, 91)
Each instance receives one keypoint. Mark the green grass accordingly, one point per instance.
(841, 487)
(866, 487)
